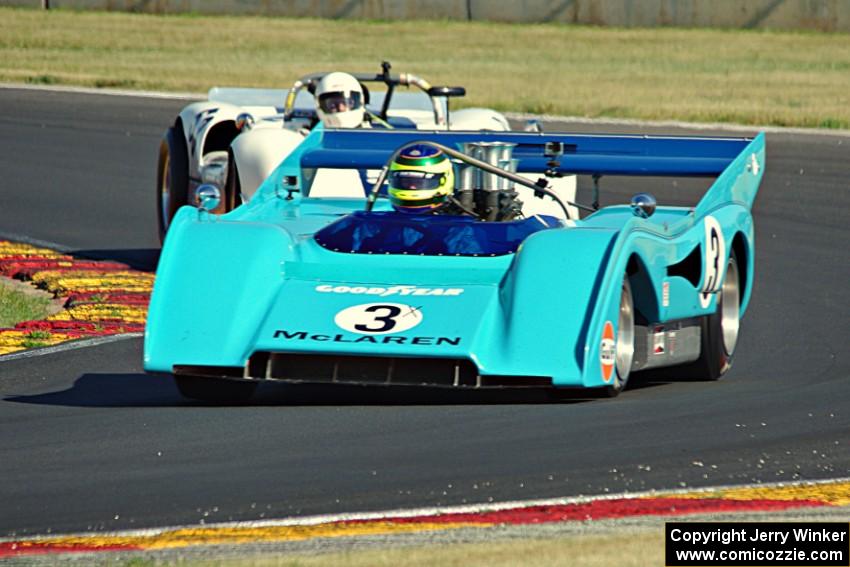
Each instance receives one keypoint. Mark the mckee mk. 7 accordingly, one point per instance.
(502, 285)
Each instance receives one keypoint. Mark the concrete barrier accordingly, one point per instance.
(358, 9)
(823, 15)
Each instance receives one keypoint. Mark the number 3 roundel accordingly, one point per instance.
(714, 254)
(378, 318)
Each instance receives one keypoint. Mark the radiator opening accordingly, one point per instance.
(440, 372)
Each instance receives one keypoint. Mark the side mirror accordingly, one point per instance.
(533, 125)
(643, 205)
(244, 121)
(447, 91)
(208, 197)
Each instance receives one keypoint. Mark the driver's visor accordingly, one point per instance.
(409, 179)
(334, 102)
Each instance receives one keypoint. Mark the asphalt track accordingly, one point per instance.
(87, 441)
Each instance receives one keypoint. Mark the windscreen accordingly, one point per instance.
(429, 235)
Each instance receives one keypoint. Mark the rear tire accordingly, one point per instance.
(625, 342)
(172, 179)
(215, 390)
(719, 331)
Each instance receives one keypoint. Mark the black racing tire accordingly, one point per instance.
(625, 345)
(172, 178)
(216, 390)
(232, 197)
(719, 331)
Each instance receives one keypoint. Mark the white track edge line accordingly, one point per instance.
(428, 511)
(56, 247)
(35, 242)
(106, 92)
(70, 345)
(511, 115)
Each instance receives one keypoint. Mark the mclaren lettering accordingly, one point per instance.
(385, 340)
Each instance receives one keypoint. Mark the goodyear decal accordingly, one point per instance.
(391, 290)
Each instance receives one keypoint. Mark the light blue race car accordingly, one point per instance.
(318, 279)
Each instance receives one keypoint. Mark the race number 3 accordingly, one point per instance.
(387, 320)
(378, 318)
(715, 252)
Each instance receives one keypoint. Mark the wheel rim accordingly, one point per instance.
(730, 307)
(165, 192)
(625, 335)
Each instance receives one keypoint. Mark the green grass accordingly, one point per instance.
(39, 335)
(750, 77)
(16, 306)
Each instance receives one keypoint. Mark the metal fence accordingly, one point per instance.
(823, 15)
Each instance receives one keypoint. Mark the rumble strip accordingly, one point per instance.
(751, 498)
(101, 299)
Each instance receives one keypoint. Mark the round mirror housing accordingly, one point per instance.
(643, 205)
(244, 121)
(208, 197)
(533, 125)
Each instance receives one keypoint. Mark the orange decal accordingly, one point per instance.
(607, 351)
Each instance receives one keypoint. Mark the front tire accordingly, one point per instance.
(625, 346)
(172, 179)
(215, 390)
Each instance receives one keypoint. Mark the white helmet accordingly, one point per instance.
(339, 101)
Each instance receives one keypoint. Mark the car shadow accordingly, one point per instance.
(144, 259)
(650, 379)
(108, 390)
(144, 390)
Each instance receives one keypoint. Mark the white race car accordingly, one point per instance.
(235, 138)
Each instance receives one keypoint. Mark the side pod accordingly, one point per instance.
(550, 297)
(204, 307)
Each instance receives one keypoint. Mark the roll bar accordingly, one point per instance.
(540, 186)
(391, 81)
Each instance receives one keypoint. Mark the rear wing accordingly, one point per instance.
(728, 159)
